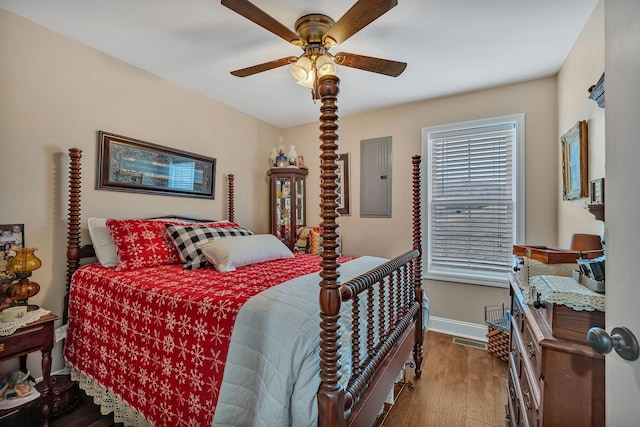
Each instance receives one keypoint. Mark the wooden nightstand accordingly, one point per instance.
(36, 336)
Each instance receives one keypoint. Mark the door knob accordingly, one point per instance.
(621, 340)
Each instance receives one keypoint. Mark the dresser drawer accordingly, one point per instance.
(22, 342)
(515, 349)
(528, 391)
(513, 402)
(517, 314)
(531, 350)
(530, 407)
(570, 324)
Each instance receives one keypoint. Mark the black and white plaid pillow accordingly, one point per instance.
(185, 238)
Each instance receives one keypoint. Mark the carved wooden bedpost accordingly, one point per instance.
(330, 394)
(417, 264)
(230, 198)
(73, 230)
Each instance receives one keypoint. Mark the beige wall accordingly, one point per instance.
(582, 68)
(388, 237)
(56, 93)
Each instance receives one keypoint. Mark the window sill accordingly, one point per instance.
(498, 280)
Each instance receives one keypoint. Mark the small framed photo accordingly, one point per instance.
(11, 235)
(596, 191)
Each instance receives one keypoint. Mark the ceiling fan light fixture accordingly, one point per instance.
(316, 33)
(302, 69)
(325, 66)
(307, 70)
(310, 81)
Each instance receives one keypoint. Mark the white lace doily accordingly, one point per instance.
(8, 328)
(565, 291)
(109, 401)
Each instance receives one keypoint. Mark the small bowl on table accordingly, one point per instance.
(13, 314)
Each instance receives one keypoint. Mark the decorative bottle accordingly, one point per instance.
(273, 156)
(293, 156)
(281, 160)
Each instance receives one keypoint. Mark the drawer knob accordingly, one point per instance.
(537, 303)
(621, 340)
(2, 347)
(532, 349)
(527, 400)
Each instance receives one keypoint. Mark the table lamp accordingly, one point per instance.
(22, 265)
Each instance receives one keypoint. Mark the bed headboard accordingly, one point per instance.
(75, 252)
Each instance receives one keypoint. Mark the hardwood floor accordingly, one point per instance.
(460, 387)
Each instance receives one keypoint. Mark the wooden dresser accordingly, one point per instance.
(555, 378)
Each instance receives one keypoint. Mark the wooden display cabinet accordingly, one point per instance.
(287, 202)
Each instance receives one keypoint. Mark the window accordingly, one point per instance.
(475, 199)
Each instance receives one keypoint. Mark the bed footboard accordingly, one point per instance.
(386, 342)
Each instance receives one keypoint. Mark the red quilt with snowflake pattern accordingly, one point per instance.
(159, 337)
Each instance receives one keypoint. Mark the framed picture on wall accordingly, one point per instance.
(343, 184)
(11, 235)
(132, 165)
(575, 162)
(596, 192)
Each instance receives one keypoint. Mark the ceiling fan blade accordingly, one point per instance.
(368, 63)
(249, 71)
(361, 14)
(257, 15)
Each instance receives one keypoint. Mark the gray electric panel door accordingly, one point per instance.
(375, 178)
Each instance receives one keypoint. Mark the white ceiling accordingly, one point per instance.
(450, 46)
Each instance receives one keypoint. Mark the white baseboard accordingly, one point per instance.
(459, 328)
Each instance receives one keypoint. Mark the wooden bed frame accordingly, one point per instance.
(399, 289)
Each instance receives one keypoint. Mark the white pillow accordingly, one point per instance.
(102, 241)
(229, 254)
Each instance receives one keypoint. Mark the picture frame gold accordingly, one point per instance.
(575, 161)
(131, 165)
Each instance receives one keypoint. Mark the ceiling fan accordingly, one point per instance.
(315, 34)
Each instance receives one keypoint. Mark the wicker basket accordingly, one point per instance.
(497, 319)
(498, 343)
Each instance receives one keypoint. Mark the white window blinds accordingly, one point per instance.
(472, 200)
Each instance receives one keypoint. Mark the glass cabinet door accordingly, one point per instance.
(287, 203)
(299, 214)
(283, 200)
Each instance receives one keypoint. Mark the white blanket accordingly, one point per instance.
(271, 376)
